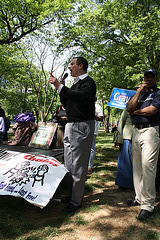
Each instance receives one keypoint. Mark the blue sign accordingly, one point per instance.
(120, 97)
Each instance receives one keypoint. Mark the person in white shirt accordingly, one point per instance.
(98, 117)
(2, 129)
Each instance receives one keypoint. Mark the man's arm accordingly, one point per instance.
(132, 104)
(98, 118)
(146, 112)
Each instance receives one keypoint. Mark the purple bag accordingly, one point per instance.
(24, 117)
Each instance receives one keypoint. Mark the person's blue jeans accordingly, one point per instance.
(92, 153)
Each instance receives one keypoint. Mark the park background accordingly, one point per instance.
(120, 39)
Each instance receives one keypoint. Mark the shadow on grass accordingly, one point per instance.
(23, 221)
(19, 217)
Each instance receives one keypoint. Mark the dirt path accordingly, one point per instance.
(111, 218)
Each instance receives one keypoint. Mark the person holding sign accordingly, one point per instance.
(124, 175)
(144, 108)
(79, 102)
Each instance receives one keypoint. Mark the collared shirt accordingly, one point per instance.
(81, 77)
(76, 79)
(152, 97)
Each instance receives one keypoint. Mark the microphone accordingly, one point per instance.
(65, 76)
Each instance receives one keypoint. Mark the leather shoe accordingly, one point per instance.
(65, 200)
(133, 203)
(72, 208)
(144, 214)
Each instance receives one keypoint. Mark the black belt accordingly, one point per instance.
(145, 125)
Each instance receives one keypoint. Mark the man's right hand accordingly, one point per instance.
(53, 80)
(142, 87)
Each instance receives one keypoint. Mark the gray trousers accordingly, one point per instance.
(77, 146)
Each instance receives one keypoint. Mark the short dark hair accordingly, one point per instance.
(83, 61)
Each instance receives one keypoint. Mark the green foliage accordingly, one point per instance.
(11, 66)
(24, 85)
(121, 39)
(14, 102)
(18, 73)
(20, 18)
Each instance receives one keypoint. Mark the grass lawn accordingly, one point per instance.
(104, 215)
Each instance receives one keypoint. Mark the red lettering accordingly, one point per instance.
(55, 164)
(44, 159)
(38, 160)
(29, 157)
(56, 161)
(42, 156)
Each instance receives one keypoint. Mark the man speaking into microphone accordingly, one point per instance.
(79, 102)
(62, 81)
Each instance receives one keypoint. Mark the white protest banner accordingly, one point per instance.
(33, 177)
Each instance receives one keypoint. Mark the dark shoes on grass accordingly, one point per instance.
(71, 208)
(144, 214)
(65, 200)
(133, 203)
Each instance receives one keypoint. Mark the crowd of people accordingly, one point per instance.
(137, 136)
